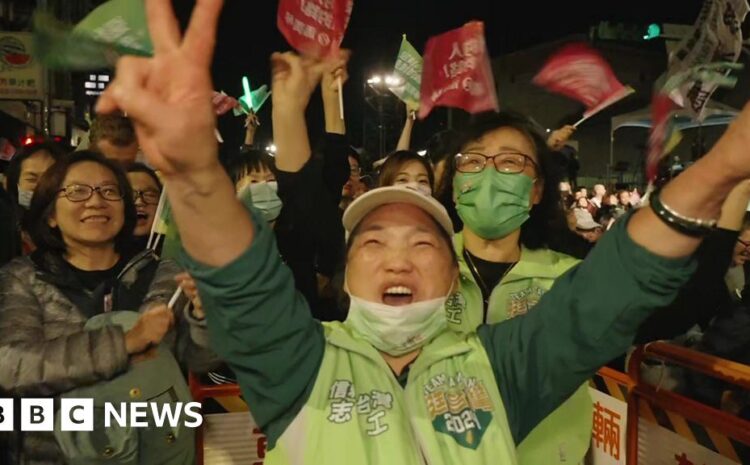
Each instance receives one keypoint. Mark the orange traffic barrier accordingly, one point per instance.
(723, 430)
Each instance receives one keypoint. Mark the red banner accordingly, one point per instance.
(661, 130)
(314, 27)
(457, 72)
(579, 72)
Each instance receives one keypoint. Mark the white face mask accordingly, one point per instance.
(264, 197)
(24, 198)
(397, 330)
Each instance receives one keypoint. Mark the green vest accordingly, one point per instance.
(450, 412)
(564, 436)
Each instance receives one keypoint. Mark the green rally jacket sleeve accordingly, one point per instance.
(263, 329)
(589, 317)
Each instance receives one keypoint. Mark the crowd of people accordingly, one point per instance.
(451, 310)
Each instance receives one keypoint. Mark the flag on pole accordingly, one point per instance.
(457, 72)
(252, 100)
(314, 28)
(115, 28)
(662, 137)
(579, 72)
(716, 37)
(408, 69)
(223, 103)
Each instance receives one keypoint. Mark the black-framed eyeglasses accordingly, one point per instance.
(149, 196)
(745, 244)
(505, 162)
(83, 192)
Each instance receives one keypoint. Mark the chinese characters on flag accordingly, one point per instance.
(457, 72)
(314, 27)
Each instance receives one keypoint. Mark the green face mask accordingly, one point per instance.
(492, 204)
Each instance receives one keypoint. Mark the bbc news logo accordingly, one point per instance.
(78, 414)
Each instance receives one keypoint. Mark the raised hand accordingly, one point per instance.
(293, 80)
(559, 137)
(334, 69)
(169, 96)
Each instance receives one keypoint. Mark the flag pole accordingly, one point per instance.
(157, 215)
(580, 121)
(174, 298)
(341, 97)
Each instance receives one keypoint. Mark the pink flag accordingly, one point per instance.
(579, 72)
(223, 103)
(457, 72)
(661, 130)
(314, 27)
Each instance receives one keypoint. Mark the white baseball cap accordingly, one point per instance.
(380, 196)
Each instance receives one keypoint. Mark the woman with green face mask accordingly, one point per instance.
(505, 192)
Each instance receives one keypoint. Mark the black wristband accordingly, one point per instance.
(694, 227)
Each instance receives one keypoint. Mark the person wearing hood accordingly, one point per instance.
(393, 384)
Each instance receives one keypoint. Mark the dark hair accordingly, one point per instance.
(117, 129)
(137, 167)
(395, 161)
(49, 239)
(546, 219)
(442, 145)
(354, 154)
(443, 235)
(239, 165)
(13, 172)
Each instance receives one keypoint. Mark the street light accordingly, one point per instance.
(380, 84)
(378, 81)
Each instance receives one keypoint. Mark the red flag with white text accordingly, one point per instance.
(457, 72)
(314, 27)
(581, 73)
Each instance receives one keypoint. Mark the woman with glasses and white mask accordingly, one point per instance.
(506, 193)
(81, 319)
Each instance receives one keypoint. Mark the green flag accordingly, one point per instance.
(116, 28)
(409, 69)
(252, 100)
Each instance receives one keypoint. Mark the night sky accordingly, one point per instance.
(248, 36)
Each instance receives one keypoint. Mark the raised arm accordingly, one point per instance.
(699, 192)
(329, 88)
(294, 78)
(404, 141)
(168, 98)
(592, 313)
